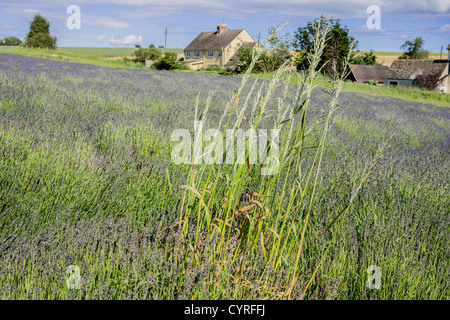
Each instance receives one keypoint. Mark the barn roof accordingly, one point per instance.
(211, 40)
(409, 69)
(364, 73)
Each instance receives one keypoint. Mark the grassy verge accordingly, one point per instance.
(68, 56)
(412, 94)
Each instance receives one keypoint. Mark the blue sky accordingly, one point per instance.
(125, 23)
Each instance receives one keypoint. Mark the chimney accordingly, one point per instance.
(221, 28)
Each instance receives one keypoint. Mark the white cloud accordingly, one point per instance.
(28, 13)
(6, 26)
(399, 36)
(235, 9)
(124, 41)
(101, 38)
(102, 23)
(443, 29)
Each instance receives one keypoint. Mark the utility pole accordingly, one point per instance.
(165, 41)
(259, 37)
(442, 48)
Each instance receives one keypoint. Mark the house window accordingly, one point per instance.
(393, 83)
(210, 54)
(196, 54)
(219, 53)
(188, 54)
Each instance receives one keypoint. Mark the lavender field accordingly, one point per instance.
(86, 179)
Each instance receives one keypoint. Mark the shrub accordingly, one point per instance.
(147, 54)
(167, 62)
(213, 68)
(181, 66)
(10, 41)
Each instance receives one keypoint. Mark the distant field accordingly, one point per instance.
(106, 52)
(68, 56)
(386, 58)
(385, 53)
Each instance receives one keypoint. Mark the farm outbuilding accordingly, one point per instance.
(425, 73)
(215, 48)
(365, 73)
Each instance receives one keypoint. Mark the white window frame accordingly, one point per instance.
(210, 54)
(197, 54)
(188, 54)
(219, 53)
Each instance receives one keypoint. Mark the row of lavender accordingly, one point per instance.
(84, 161)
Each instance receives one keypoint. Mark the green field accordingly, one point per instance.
(67, 56)
(411, 94)
(88, 179)
(107, 52)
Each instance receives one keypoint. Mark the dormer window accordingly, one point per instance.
(210, 54)
(196, 54)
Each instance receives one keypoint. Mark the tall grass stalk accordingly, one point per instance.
(242, 213)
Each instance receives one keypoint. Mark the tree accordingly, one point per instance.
(137, 46)
(39, 34)
(367, 58)
(414, 49)
(337, 46)
(168, 62)
(10, 41)
(161, 47)
(143, 54)
(271, 59)
(151, 46)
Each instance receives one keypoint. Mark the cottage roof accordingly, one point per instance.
(364, 73)
(409, 69)
(211, 40)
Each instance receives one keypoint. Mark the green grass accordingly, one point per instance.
(411, 94)
(107, 52)
(93, 56)
(68, 56)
